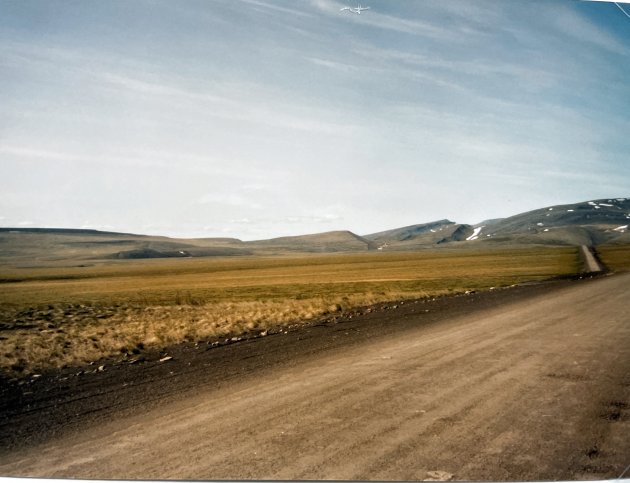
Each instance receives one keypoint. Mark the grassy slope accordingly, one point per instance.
(55, 316)
(615, 257)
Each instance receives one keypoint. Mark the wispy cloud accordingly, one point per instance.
(386, 22)
(584, 31)
(250, 103)
(223, 198)
(331, 64)
(245, 102)
(262, 5)
(139, 158)
(37, 154)
(84, 60)
(458, 72)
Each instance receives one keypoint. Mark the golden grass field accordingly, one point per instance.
(615, 257)
(51, 317)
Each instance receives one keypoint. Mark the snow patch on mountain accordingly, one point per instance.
(475, 234)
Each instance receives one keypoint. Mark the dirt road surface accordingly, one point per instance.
(590, 262)
(531, 389)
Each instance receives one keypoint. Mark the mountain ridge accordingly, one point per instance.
(591, 222)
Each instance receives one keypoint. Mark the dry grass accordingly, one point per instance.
(64, 316)
(615, 257)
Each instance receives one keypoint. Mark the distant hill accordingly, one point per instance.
(33, 245)
(408, 232)
(333, 241)
(585, 223)
(420, 236)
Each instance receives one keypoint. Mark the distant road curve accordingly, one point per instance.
(592, 265)
(533, 390)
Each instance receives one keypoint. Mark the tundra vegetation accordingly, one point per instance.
(71, 315)
(615, 257)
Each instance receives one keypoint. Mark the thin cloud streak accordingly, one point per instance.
(276, 8)
(387, 22)
(229, 104)
(581, 30)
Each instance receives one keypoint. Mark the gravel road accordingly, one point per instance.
(590, 262)
(536, 387)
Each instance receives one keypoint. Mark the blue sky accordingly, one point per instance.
(262, 118)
